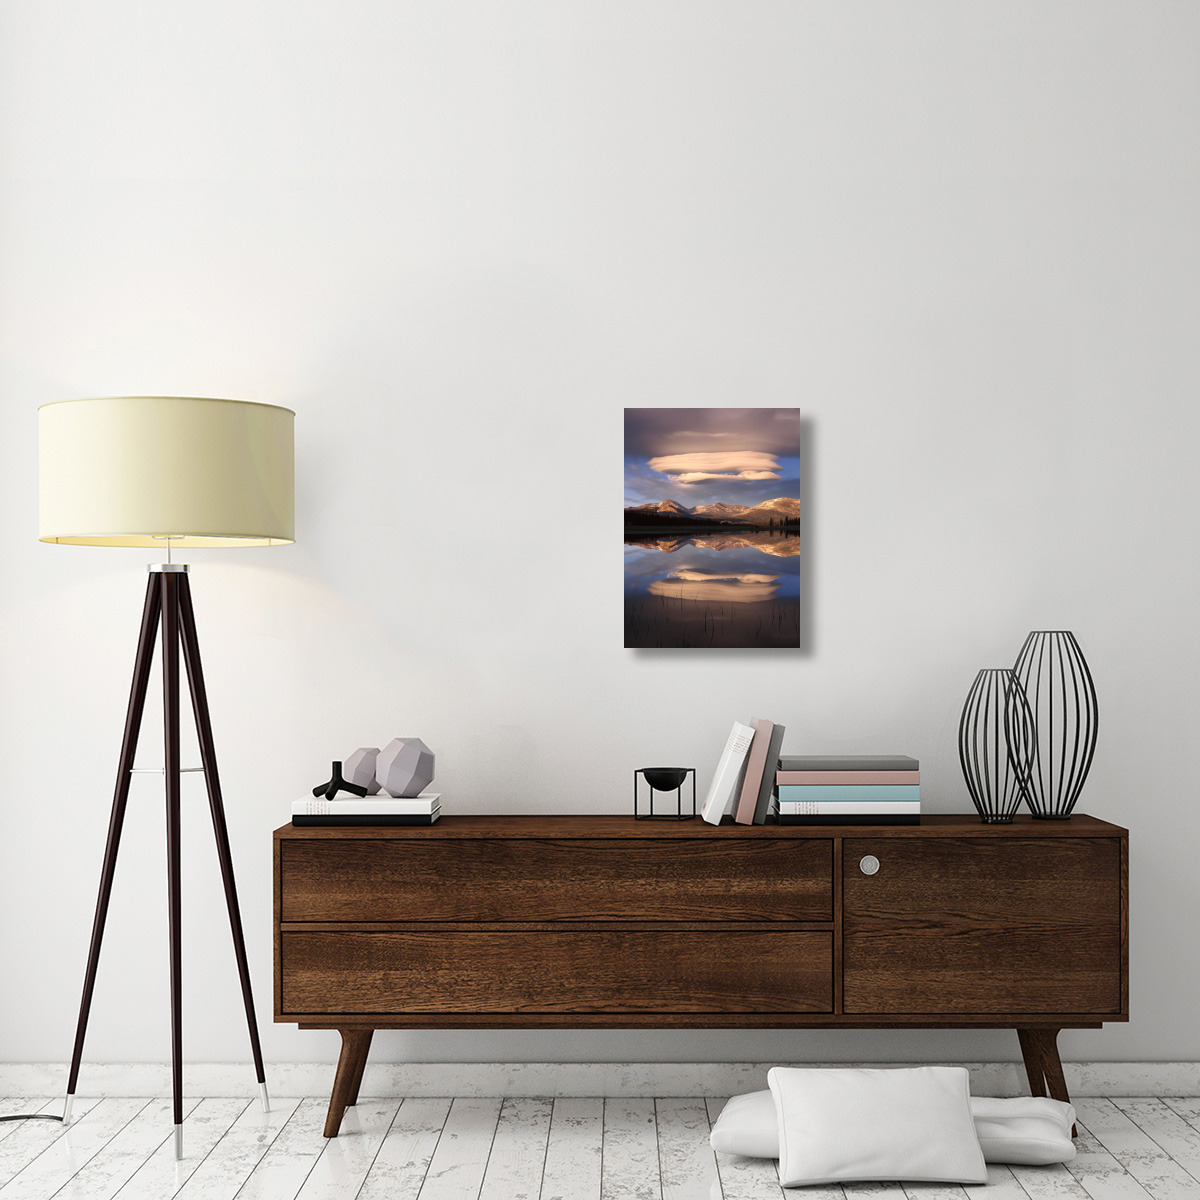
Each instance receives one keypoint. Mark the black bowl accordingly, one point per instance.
(665, 779)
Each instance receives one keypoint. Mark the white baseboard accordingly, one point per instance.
(549, 1079)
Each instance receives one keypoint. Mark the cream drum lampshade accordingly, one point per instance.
(136, 470)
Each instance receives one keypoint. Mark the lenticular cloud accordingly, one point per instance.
(723, 464)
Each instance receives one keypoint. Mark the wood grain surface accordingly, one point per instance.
(546, 879)
(577, 970)
(967, 926)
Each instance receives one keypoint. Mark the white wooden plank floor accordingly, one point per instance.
(522, 1149)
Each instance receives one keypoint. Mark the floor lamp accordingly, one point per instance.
(178, 472)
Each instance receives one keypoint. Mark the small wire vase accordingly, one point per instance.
(995, 744)
(1058, 685)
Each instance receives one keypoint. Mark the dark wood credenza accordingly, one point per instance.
(607, 922)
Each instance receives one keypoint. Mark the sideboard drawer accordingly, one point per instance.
(753, 879)
(580, 970)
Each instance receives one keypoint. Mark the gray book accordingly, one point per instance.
(848, 762)
(767, 787)
(787, 819)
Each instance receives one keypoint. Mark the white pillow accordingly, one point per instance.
(1013, 1129)
(1032, 1130)
(747, 1125)
(853, 1123)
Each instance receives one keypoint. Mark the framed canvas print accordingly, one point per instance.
(712, 527)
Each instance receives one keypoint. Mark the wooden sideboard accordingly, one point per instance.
(608, 922)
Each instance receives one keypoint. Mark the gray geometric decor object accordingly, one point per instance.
(360, 768)
(404, 767)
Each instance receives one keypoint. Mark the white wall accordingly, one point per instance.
(458, 238)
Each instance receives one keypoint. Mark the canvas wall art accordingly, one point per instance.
(712, 527)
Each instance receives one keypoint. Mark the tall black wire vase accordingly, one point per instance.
(1052, 670)
(995, 744)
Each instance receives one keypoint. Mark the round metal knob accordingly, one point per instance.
(868, 864)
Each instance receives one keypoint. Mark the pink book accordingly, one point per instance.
(756, 764)
(843, 777)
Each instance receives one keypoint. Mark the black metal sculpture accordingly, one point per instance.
(664, 779)
(337, 784)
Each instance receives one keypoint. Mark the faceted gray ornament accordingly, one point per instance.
(404, 767)
(359, 768)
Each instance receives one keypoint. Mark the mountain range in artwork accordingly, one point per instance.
(782, 511)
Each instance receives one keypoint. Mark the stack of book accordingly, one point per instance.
(368, 810)
(856, 789)
(744, 784)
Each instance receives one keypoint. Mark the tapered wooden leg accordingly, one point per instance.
(1043, 1066)
(133, 725)
(1056, 1081)
(358, 1074)
(208, 759)
(1031, 1053)
(355, 1044)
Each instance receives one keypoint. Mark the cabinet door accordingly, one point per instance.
(982, 925)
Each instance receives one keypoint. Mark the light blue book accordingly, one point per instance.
(838, 793)
(857, 808)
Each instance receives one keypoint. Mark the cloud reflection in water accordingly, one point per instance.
(745, 588)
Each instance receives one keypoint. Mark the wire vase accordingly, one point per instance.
(995, 744)
(1058, 685)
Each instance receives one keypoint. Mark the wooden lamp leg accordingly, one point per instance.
(169, 650)
(208, 759)
(133, 724)
(168, 610)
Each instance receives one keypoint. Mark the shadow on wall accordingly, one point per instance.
(781, 628)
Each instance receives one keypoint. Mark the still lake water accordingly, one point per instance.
(725, 589)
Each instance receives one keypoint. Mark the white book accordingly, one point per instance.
(848, 808)
(382, 806)
(723, 790)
